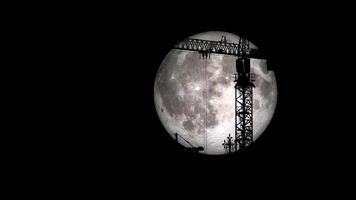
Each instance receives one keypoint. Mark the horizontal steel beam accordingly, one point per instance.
(217, 47)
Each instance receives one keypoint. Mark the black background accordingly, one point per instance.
(123, 138)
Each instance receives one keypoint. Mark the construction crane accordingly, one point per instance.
(243, 84)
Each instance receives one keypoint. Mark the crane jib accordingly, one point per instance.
(218, 47)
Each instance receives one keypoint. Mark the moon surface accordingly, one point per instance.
(195, 97)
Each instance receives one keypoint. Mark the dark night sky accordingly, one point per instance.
(293, 139)
(127, 133)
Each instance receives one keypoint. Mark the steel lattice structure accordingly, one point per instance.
(243, 116)
(219, 47)
(243, 87)
(243, 98)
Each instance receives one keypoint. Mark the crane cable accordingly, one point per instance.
(205, 100)
(206, 105)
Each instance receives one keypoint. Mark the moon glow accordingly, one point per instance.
(195, 97)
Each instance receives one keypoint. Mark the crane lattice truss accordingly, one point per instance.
(243, 84)
(218, 47)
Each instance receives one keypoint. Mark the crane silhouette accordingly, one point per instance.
(243, 83)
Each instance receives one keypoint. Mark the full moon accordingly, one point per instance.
(195, 97)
